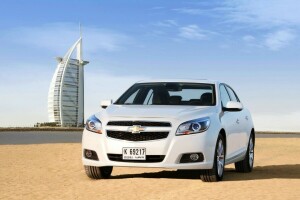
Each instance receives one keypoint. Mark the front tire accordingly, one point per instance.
(216, 173)
(98, 172)
(246, 165)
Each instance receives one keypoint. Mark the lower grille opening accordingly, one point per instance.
(149, 158)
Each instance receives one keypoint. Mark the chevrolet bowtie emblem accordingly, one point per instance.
(136, 129)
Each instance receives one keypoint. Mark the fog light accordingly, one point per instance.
(194, 156)
(88, 153)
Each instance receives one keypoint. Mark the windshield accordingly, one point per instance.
(197, 94)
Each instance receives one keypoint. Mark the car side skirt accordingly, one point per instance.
(235, 158)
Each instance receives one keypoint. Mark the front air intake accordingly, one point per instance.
(149, 158)
(142, 136)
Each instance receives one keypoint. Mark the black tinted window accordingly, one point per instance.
(169, 94)
(131, 98)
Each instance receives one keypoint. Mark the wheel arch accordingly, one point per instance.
(223, 133)
(253, 135)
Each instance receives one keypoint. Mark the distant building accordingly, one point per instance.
(66, 93)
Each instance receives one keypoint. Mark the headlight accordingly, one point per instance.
(93, 124)
(193, 126)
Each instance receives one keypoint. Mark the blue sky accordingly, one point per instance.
(251, 45)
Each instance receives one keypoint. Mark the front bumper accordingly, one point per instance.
(172, 147)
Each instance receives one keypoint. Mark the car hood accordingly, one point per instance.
(156, 111)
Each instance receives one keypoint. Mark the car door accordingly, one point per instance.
(230, 122)
(242, 136)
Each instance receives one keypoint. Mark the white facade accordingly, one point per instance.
(66, 93)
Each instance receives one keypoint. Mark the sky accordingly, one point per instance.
(251, 45)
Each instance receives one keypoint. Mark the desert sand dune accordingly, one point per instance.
(54, 171)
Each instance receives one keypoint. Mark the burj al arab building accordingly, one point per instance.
(66, 93)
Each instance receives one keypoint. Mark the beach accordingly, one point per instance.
(55, 171)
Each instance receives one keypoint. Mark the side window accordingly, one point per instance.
(232, 94)
(224, 95)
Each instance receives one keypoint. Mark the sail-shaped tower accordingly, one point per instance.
(66, 92)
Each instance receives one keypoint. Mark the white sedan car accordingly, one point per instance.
(180, 124)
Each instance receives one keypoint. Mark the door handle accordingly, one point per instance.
(237, 121)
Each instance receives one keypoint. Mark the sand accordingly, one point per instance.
(54, 171)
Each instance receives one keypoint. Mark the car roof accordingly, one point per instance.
(179, 81)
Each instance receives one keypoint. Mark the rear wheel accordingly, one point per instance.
(216, 173)
(98, 172)
(246, 165)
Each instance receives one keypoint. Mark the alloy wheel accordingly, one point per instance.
(251, 152)
(220, 158)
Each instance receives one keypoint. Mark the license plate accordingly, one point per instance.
(136, 153)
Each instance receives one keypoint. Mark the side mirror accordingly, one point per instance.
(233, 106)
(104, 104)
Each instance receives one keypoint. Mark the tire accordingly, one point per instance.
(98, 172)
(216, 173)
(246, 165)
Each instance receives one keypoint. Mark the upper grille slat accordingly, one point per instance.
(141, 123)
(143, 136)
(158, 130)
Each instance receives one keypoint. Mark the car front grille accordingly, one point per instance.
(149, 158)
(141, 123)
(143, 136)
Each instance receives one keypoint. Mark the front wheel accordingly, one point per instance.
(246, 165)
(98, 172)
(216, 173)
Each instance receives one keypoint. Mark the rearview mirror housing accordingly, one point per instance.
(105, 103)
(233, 106)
